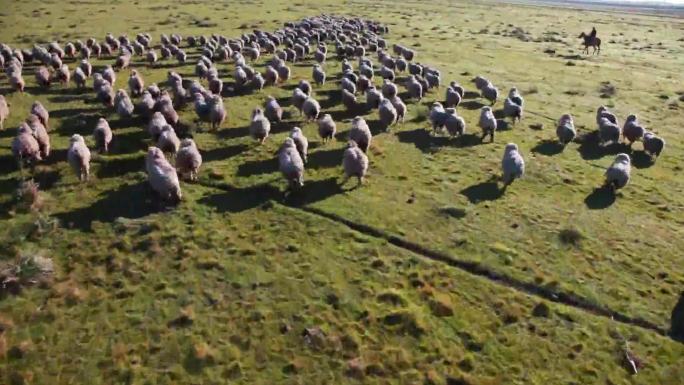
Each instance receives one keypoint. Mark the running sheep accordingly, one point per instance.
(326, 127)
(124, 105)
(78, 157)
(301, 142)
(272, 110)
(260, 127)
(102, 134)
(318, 75)
(487, 123)
(454, 124)
(168, 140)
(4, 111)
(387, 114)
(618, 174)
(188, 159)
(40, 133)
(632, 130)
(217, 112)
(136, 83)
(311, 109)
(565, 130)
(360, 133)
(653, 145)
(512, 110)
(162, 176)
(25, 146)
(42, 113)
(291, 164)
(355, 162)
(512, 164)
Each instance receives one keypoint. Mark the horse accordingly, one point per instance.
(591, 41)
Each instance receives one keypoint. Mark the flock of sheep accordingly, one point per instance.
(353, 38)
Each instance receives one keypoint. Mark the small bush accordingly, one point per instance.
(28, 196)
(570, 237)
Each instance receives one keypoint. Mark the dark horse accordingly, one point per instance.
(591, 41)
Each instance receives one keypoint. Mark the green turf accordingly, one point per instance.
(253, 271)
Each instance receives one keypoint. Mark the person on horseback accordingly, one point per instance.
(593, 32)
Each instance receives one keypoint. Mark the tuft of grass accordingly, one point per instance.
(570, 236)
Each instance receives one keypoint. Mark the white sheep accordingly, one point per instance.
(360, 133)
(618, 173)
(188, 159)
(311, 109)
(387, 114)
(42, 113)
(490, 92)
(415, 89)
(487, 122)
(162, 176)
(78, 157)
(301, 142)
(515, 97)
(373, 97)
(389, 89)
(43, 76)
(124, 105)
(400, 107)
(455, 125)
(260, 127)
(4, 111)
(565, 130)
(512, 110)
(102, 134)
(25, 146)
(512, 164)
(217, 112)
(326, 127)
(168, 140)
(136, 83)
(156, 124)
(40, 133)
(603, 113)
(298, 98)
(291, 164)
(318, 75)
(609, 132)
(355, 162)
(437, 116)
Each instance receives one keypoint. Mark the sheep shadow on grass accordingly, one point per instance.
(313, 191)
(236, 200)
(590, 149)
(640, 159)
(677, 320)
(427, 143)
(46, 179)
(471, 95)
(233, 133)
(222, 153)
(258, 167)
(111, 168)
(601, 198)
(325, 158)
(548, 147)
(471, 105)
(484, 191)
(111, 205)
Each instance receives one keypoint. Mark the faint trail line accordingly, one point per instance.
(474, 268)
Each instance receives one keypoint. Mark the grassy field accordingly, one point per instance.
(240, 284)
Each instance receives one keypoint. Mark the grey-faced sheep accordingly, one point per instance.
(347, 84)
(188, 159)
(603, 113)
(63, 75)
(25, 146)
(168, 140)
(360, 133)
(102, 134)
(217, 112)
(40, 133)
(512, 164)
(136, 83)
(515, 97)
(387, 114)
(291, 164)
(42, 113)
(17, 81)
(363, 84)
(480, 82)
(632, 130)
(146, 104)
(305, 86)
(618, 173)
(355, 162)
(240, 76)
(653, 145)
(301, 142)
(43, 76)
(609, 132)
(487, 123)
(165, 106)
(78, 157)
(4, 111)
(311, 109)
(349, 100)
(123, 61)
(258, 82)
(387, 73)
(260, 127)
(490, 92)
(162, 176)
(565, 130)
(151, 57)
(326, 127)
(272, 110)
(512, 110)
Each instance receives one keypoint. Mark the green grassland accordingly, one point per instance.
(242, 284)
